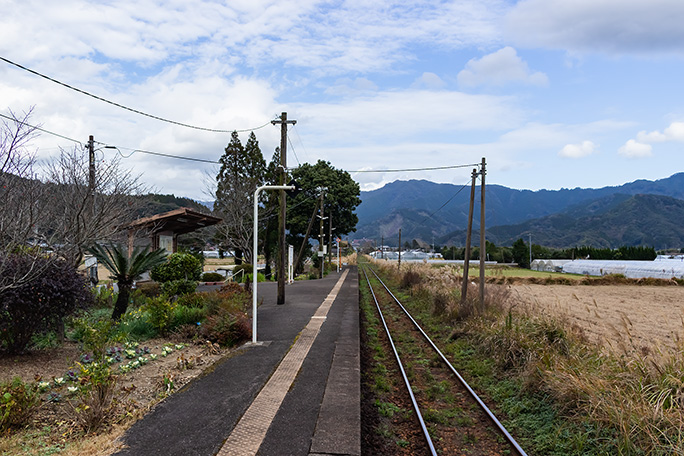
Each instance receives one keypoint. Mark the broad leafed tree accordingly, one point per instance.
(242, 171)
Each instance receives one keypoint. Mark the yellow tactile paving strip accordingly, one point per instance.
(250, 431)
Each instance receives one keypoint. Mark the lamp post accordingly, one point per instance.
(255, 247)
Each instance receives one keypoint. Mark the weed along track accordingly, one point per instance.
(425, 405)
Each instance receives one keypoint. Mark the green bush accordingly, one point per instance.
(183, 315)
(191, 300)
(178, 266)
(104, 296)
(135, 325)
(97, 336)
(240, 272)
(179, 287)
(260, 277)
(159, 312)
(18, 401)
(212, 277)
(95, 405)
(149, 289)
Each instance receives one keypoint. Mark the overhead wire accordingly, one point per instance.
(439, 209)
(118, 105)
(293, 151)
(35, 127)
(434, 168)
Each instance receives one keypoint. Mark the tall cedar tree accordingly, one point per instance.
(242, 170)
(271, 209)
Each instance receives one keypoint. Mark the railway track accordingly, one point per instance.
(453, 420)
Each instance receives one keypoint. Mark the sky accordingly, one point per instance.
(552, 93)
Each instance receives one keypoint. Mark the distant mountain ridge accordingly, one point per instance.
(560, 218)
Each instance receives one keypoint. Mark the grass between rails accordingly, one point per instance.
(557, 394)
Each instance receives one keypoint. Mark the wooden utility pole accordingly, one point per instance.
(91, 169)
(399, 262)
(306, 237)
(330, 242)
(282, 242)
(469, 232)
(321, 256)
(483, 244)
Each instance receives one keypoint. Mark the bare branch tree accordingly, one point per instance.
(21, 199)
(79, 215)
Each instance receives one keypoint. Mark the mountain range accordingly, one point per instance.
(649, 213)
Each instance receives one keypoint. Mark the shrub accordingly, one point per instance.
(410, 278)
(96, 337)
(159, 313)
(178, 287)
(104, 296)
(41, 303)
(191, 300)
(241, 271)
(149, 289)
(96, 393)
(183, 315)
(18, 401)
(212, 277)
(227, 328)
(231, 298)
(178, 266)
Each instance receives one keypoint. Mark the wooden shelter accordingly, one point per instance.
(164, 228)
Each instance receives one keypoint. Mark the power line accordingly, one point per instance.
(440, 208)
(159, 154)
(412, 169)
(118, 105)
(35, 127)
(293, 150)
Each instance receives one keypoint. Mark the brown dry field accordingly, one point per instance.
(612, 314)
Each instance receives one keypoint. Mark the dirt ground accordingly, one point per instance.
(612, 314)
(139, 388)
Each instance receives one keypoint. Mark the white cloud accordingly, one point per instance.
(675, 132)
(609, 26)
(581, 150)
(429, 81)
(634, 149)
(500, 68)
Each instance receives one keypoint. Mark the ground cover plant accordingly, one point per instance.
(558, 393)
(117, 369)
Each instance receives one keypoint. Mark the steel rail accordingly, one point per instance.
(472, 393)
(433, 451)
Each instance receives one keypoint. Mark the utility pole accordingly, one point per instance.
(91, 175)
(399, 262)
(530, 234)
(330, 228)
(282, 243)
(321, 256)
(483, 244)
(469, 232)
(382, 250)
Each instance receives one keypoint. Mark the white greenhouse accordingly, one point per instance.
(549, 265)
(631, 269)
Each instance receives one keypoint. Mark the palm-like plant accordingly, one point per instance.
(126, 270)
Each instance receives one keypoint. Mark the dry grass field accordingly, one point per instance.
(641, 316)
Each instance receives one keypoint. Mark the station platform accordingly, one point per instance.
(296, 392)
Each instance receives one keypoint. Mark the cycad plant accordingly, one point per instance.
(126, 270)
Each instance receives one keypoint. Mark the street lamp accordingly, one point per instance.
(255, 248)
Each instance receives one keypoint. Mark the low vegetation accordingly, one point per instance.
(558, 394)
(90, 397)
